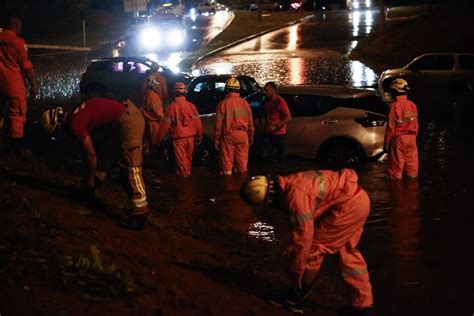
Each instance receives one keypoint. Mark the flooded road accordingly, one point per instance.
(307, 53)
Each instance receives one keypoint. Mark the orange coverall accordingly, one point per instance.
(328, 210)
(233, 133)
(181, 117)
(400, 138)
(152, 110)
(13, 61)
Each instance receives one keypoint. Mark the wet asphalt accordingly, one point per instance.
(418, 235)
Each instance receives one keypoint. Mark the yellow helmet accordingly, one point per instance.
(232, 84)
(257, 190)
(400, 85)
(52, 119)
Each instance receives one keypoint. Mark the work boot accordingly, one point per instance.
(133, 222)
(354, 311)
(290, 300)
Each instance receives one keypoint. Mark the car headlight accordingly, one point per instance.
(175, 37)
(150, 37)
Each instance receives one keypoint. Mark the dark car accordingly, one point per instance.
(208, 90)
(123, 76)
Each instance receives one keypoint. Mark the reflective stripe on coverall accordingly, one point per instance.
(400, 138)
(153, 113)
(328, 210)
(234, 129)
(132, 128)
(13, 62)
(182, 118)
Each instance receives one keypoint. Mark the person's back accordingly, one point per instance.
(183, 118)
(235, 114)
(404, 116)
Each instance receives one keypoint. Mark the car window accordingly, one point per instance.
(466, 62)
(138, 67)
(202, 87)
(303, 105)
(219, 86)
(370, 103)
(253, 85)
(434, 62)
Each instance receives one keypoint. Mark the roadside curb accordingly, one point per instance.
(248, 38)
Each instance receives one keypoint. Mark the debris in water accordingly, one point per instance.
(212, 200)
(84, 212)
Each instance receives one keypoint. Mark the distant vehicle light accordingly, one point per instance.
(150, 38)
(296, 5)
(192, 11)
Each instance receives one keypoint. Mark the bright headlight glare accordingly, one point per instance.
(175, 37)
(150, 37)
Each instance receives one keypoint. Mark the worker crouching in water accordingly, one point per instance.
(98, 115)
(152, 109)
(234, 130)
(401, 133)
(182, 119)
(327, 211)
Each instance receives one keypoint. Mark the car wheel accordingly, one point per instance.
(340, 152)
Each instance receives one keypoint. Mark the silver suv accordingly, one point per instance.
(433, 77)
(330, 123)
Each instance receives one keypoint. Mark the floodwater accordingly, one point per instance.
(313, 52)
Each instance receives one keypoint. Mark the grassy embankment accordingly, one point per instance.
(447, 29)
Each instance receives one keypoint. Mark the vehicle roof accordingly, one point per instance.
(335, 91)
(123, 58)
(220, 76)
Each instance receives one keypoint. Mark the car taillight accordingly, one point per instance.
(371, 120)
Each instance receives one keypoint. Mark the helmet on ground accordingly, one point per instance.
(232, 84)
(257, 190)
(179, 87)
(152, 81)
(52, 119)
(399, 85)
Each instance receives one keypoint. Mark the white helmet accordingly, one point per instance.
(399, 85)
(52, 119)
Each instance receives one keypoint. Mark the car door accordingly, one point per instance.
(429, 79)
(199, 93)
(306, 127)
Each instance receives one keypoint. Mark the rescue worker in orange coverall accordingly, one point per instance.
(152, 109)
(14, 62)
(234, 130)
(182, 119)
(327, 210)
(401, 133)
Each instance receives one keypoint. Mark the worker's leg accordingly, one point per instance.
(153, 128)
(226, 156)
(132, 127)
(241, 141)
(183, 159)
(411, 156)
(280, 145)
(396, 159)
(16, 113)
(189, 154)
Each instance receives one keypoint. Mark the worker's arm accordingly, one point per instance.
(220, 116)
(391, 123)
(302, 217)
(251, 128)
(166, 123)
(91, 160)
(30, 75)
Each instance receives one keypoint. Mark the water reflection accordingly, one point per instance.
(361, 20)
(263, 231)
(362, 76)
(293, 37)
(296, 66)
